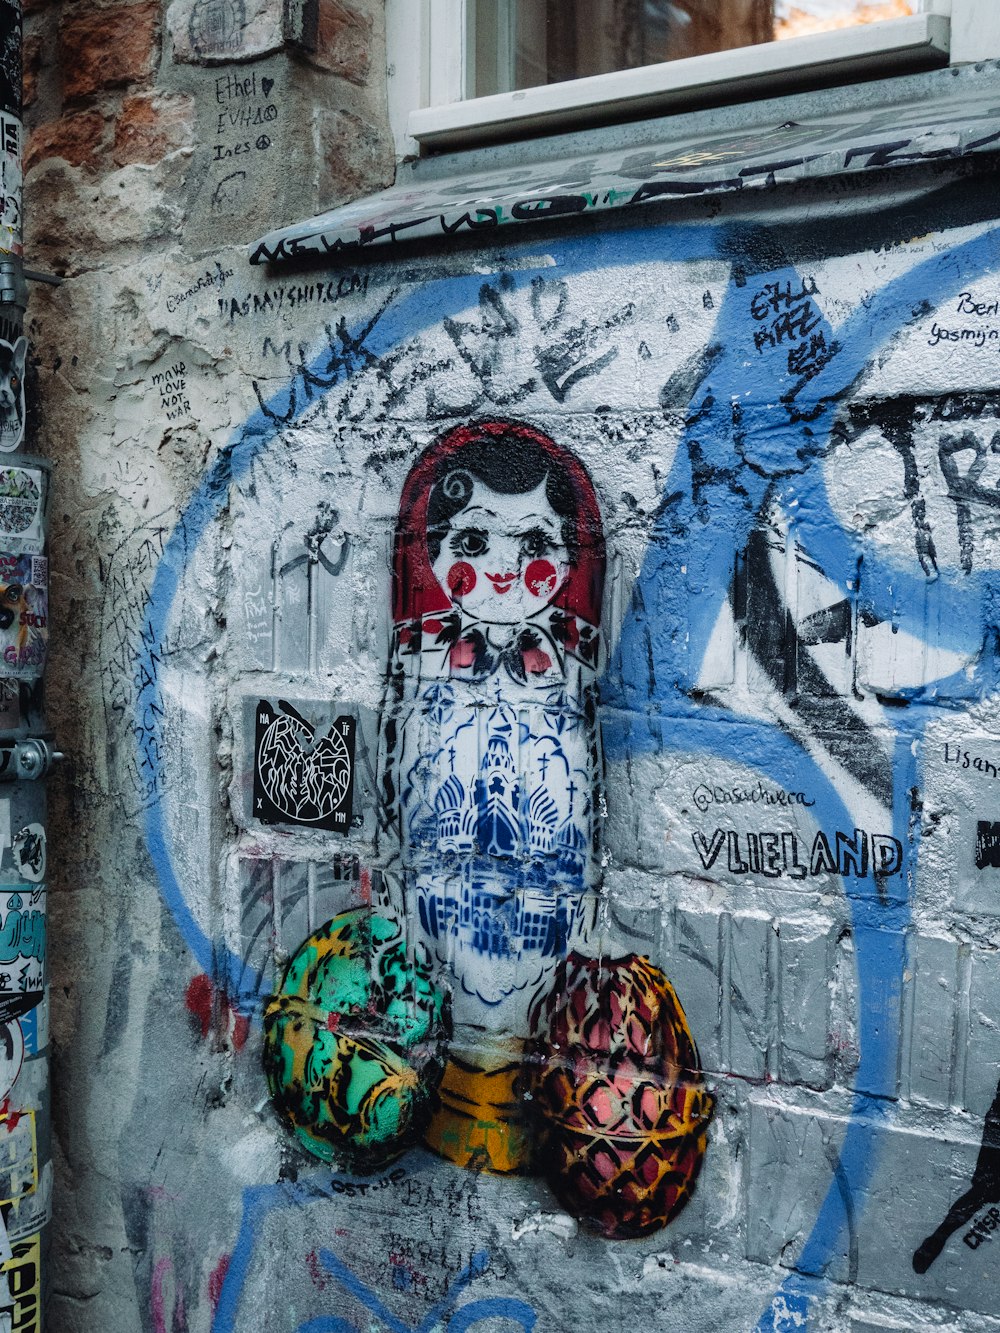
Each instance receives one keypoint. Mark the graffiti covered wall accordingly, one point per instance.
(545, 713)
(605, 658)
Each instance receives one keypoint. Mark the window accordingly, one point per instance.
(464, 72)
(522, 43)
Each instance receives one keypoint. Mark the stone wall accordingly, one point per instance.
(529, 853)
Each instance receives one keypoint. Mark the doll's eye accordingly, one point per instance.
(536, 542)
(470, 542)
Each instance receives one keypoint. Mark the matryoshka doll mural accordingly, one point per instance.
(490, 780)
(491, 763)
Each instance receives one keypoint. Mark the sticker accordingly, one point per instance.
(23, 1274)
(18, 1156)
(22, 511)
(34, 1027)
(22, 951)
(11, 390)
(11, 176)
(29, 851)
(301, 776)
(32, 1212)
(11, 1055)
(24, 615)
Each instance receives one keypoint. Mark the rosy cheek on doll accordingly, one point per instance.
(541, 578)
(461, 579)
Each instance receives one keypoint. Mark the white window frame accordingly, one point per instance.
(430, 44)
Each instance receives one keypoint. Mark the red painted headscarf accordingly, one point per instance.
(415, 590)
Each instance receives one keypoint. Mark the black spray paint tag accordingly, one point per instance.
(301, 776)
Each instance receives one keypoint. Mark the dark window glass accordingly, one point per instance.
(521, 43)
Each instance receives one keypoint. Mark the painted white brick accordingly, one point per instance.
(930, 1006)
(980, 1059)
(960, 792)
(748, 1019)
(805, 981)
(692, 963)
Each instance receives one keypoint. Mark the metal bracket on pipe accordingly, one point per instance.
(25, 761)
(13, 288)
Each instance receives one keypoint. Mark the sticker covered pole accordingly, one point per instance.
(26, 753)
(13, 292)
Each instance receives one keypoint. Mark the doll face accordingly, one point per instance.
(503, 557)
